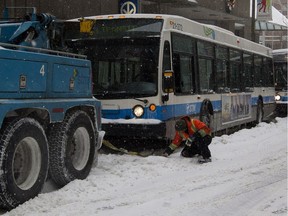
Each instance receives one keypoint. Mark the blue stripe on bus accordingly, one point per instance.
(162, 112)
(284, 98)
(171, 111)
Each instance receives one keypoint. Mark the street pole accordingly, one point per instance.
(253, 20)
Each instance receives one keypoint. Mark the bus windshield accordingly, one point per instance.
(124, 55)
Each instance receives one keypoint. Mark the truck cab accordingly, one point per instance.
(48, 116)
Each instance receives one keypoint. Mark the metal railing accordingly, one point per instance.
(41, 50)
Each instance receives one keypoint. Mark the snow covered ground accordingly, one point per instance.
(248, 176)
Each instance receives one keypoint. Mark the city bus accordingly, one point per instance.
(150, 70)
(280, 58)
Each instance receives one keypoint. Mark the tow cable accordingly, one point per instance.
(145, 153)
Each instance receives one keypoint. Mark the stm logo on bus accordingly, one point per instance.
(209, 32)
(177, 26)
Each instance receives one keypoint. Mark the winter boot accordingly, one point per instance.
(204, 160)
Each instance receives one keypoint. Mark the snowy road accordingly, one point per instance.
(247, 177)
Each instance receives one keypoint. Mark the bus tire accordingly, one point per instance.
(260, 110)
(206, 111)
(23, 161)
(72, 148)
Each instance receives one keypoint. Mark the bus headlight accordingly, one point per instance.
(138, 111)
(277, 97)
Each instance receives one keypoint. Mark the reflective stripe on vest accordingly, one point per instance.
(201, 131)
(182, 134)
(193, 127)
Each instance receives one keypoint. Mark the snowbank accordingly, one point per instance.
(247, 177)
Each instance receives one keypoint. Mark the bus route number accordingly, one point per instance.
(177, 26)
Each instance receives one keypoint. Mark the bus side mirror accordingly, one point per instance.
(168, 81)
(168, 84)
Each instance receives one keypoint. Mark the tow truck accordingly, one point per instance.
(50, 123)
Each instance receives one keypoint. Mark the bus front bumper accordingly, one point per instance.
(135, 130)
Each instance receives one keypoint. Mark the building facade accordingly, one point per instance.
(278, 37)
(233, 15)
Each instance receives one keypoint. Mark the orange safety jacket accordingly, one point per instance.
(193, 126)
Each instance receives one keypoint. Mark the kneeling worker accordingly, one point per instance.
(197, 136)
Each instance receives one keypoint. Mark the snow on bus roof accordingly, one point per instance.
(280, 51)
(121, 16)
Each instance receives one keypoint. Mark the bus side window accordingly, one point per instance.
(205, 75)
(235, 70)
(176, 69)
(267, 72)
(183, 70)
(221, 74)
(258, 76)
(205, 64)
(247, 75)
(183, 64)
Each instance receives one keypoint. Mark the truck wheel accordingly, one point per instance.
(23, 161)
(72, 148)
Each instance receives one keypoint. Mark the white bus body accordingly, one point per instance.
(211, 74)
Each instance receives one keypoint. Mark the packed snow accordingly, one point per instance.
(247, 177)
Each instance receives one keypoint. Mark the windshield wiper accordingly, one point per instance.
(145, 101)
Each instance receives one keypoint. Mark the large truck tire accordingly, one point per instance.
(72, 148)
(23, 161)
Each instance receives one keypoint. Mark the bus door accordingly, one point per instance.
(167, 82)
(183, 75)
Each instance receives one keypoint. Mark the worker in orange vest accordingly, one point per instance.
(197, 136)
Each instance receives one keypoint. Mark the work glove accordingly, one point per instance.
(192, 138)
(189, 141)
(167, 152)
(197, 135)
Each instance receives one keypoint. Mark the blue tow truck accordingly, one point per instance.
(50, 121)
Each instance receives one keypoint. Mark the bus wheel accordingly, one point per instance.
(260, 110)
(206, 111)
(23, 161)
(72, 148)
